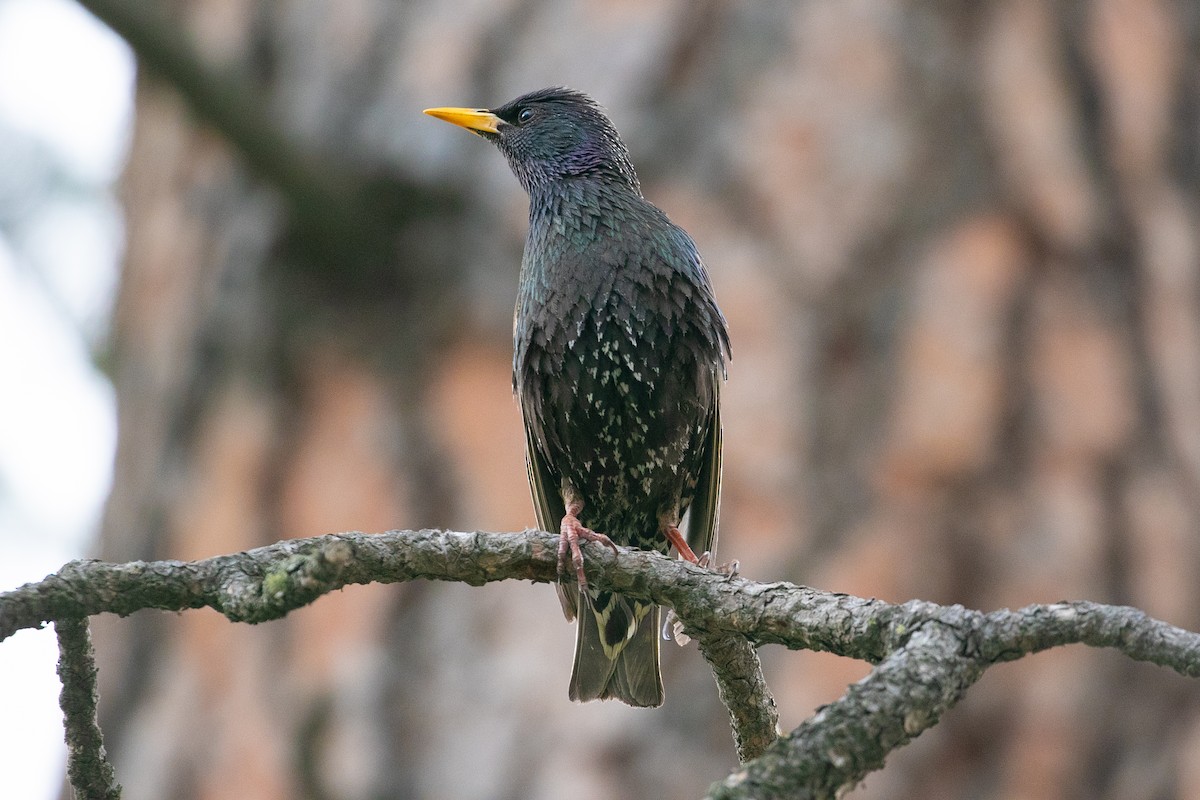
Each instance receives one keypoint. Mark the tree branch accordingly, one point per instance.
(752, 712)
(927, 654)
(833, 750)
(88, 769)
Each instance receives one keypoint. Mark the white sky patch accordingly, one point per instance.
(57, 432)
(66, 81)
(57, 428)
(75, 243)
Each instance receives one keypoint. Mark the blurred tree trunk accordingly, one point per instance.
(958, 247)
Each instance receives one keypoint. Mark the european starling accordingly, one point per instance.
(619, 352)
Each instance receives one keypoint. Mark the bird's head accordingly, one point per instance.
(548, 136)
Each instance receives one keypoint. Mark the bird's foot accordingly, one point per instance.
(571, 533)
(729, 568)
(703, 561)
(672, 628)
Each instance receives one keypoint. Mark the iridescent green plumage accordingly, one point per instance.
(619, 354)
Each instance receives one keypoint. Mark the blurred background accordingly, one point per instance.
(65, 103)
(958, 245)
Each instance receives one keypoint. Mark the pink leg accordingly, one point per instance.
(681, 545)
(572, 532)
(676, 538)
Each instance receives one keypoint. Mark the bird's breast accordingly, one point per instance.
(617, 347)
(616, 411)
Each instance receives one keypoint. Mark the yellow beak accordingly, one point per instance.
(476, 120)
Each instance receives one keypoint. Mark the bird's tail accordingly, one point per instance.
(616, 651)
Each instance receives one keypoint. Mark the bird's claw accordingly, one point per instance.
(729, 569)
(571, 533)
(672, 628)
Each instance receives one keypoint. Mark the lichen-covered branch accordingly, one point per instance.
(1014, 634)
(88, 768)
(267, 582)
(752, 712)
(844, 741)
(927, 655)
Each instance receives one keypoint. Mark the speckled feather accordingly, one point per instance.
(619, 353)
(618, 349)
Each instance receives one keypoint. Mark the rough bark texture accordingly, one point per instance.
(959, 248)
(928, 655)
(88, 770)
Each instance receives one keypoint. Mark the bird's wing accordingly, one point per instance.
(543, 483)
(549, 508)
(706, 503)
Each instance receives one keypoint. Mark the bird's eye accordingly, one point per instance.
(525, 115)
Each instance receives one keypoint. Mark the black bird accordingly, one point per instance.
(620, 349)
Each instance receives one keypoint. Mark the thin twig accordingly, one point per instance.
(743, 689)
(88, 769)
